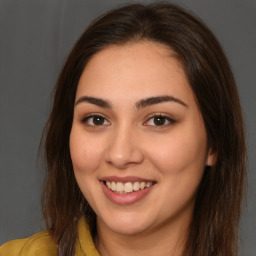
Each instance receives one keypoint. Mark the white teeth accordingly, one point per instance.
(113, 186)
(127, 187)
(148, 184)
(136, 186)
(142, 185)
(119, 187)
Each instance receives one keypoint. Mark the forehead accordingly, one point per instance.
(137, 68)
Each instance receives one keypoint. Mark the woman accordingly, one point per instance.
(144, 146)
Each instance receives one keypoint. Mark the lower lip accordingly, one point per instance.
(125, 199)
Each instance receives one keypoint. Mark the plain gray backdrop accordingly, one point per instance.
(35, 38)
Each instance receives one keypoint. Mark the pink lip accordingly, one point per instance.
(125, 199)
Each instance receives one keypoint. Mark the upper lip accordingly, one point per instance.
(125, 179)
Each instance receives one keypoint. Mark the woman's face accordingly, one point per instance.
(138, 142)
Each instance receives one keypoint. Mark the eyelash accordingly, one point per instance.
(167, 120)
(86, 120)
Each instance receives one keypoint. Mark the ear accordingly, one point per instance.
(211, 157)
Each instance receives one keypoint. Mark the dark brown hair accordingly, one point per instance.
(214, 227)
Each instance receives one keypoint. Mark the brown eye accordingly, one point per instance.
(159, 120)
(98, 120)
(95, 120)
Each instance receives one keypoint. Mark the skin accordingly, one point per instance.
(128, 142)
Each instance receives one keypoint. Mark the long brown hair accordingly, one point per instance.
(214, 227)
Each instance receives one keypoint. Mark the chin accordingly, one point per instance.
(126, 225)
(127, 230)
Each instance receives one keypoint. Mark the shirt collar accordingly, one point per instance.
(85, 241)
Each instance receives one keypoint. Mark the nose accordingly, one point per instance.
(124, 149)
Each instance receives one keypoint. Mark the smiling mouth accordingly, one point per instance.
(127, 187)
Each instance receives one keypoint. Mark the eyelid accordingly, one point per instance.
(169, 119)
(92, 115)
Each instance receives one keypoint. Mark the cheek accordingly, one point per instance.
(180, 160)
(85, 154)
(183, 151)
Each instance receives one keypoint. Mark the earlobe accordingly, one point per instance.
(211, 158)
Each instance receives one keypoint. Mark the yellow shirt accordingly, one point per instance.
(41, 244)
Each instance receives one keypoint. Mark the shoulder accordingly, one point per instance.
(40, 244)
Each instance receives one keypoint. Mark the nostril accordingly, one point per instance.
(124, 160)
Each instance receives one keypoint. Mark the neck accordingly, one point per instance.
(167, 239)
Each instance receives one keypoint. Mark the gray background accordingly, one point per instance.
(35, 38)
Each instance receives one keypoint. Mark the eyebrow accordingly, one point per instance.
(159, 99)
(96, 101)
(140, 104)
